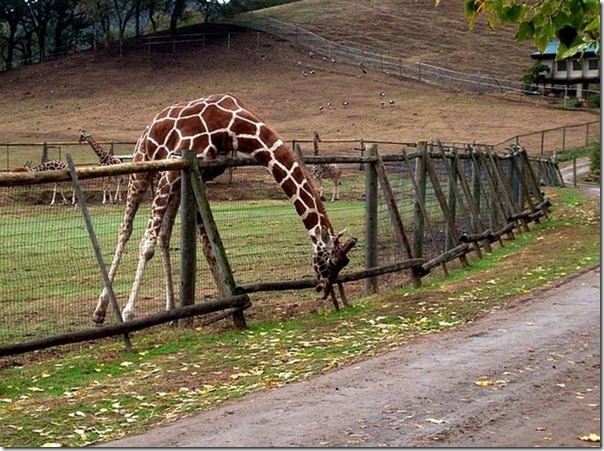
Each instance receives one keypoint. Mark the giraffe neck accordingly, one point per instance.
(287, 171)
(315, 142)
(104, 156)
(219, 124)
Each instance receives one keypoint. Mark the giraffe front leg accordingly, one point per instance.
(106, 193)
(163, 203)
(137, 187)
(118, 190)
(54, 195)
(147, 250)
(336, 191)
(98, 316)
(165, 233)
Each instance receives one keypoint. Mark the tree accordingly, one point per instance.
(534, 75)
(12, 13)
(575, 23)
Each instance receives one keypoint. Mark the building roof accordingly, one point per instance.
(552, 47)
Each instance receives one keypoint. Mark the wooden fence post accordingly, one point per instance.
(222, 263)
(419, 182)
(421, 218)
(188, 228)
(449, 218)
(44, 152)
(520, 170)
(96, 248)
(455, 196)
(397, 222)
(473, 203)
(371, 219)
(506, 189)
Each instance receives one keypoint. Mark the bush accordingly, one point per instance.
(594, 159)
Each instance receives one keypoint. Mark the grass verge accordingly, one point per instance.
(104, 393)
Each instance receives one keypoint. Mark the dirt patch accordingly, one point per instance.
(114, 97)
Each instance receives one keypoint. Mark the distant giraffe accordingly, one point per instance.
(328, 171)
(105, 159)
(52, 165)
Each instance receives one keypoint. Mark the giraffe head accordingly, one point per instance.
(84, 136)
(330, 258)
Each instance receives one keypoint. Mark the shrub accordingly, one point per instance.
(594, 159)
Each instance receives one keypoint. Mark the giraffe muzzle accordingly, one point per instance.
(338, 261)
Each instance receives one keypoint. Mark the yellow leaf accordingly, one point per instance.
(487, 383)
(51, 445)
(37, 389)
(45, 374)
(590, 438)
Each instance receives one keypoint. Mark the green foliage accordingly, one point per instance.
(575, 23)
(594, 159)
(534, 75)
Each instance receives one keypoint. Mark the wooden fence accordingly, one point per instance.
(544, 143)
(419, 209)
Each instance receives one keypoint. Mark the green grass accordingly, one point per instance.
(102, 392)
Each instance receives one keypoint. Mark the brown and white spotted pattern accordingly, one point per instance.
(214, 127)
(51, 165)
(105, 159)
(328, 171)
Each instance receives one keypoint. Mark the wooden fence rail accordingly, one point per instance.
(463, 199)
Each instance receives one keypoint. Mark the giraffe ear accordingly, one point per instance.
(325, 235)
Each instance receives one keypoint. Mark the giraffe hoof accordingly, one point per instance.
(127, 315)
(98, 317)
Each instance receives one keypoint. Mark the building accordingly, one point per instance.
(575, 74)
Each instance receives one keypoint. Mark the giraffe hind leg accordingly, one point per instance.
(208, 253)
(138, 185)
(163, 204)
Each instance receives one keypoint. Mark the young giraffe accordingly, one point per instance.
(105, 159)
(51, 165)
(213, 127)
(331, 172)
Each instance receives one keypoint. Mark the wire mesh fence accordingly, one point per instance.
(50, 280)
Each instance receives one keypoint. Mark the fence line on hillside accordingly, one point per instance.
(396, 66)
(428, 73)
(420, 209)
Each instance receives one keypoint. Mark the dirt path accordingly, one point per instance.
(541, 355)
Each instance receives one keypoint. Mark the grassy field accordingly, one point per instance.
(50, 275)
(101, 393)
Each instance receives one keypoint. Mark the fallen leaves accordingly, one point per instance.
(590, 438)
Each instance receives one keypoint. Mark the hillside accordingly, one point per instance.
(415, 31)
(114, 97)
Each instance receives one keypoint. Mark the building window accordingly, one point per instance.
(561, 66)
(577, 66)
(593, 63)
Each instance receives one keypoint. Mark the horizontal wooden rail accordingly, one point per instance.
(240, 301)
(301, 284)
(31, 178)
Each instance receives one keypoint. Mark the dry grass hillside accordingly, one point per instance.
(414, 30)
(114, 97)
